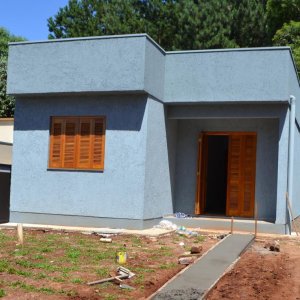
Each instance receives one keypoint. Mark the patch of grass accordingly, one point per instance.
(58, 279)
(105, 255)
(136, 241)
(21, 252)
(199, 239)
(4, 237)
(31, 288)
(41, 276)
(46, 250)
(2, 293)
(77, 280)
(25, 263)
(19, 272)
(3, 265)
(103, 272)
(142, 270)
(73, 254)
(168, 266)
(38, 256)
(139, 279)
(110, 297)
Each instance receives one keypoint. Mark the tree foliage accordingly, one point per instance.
(289, 35)
(7, 103)
(280, 12)
(174, 24)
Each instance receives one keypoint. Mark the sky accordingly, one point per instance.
(28, 18)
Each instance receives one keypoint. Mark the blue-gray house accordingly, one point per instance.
(115, 131)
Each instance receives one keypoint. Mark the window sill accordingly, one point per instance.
(76, 170)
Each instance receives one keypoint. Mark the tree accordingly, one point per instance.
(289, 35)
(7, 103)
(174, 24)
(280, 12)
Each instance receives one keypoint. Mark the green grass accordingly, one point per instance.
(73, 254)
(77, 280)
(3, 265)
(168, 266)
(199, 239)
(19, 272)
(2, 293)
(103, 272)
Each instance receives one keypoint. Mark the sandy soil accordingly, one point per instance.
(262, 274)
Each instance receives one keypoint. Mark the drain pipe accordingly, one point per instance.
(291, 151)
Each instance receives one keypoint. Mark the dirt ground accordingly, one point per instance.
(262, 274)
(58, 265)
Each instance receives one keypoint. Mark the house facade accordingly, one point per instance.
(114, 131)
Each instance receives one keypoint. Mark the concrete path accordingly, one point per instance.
(202, 275)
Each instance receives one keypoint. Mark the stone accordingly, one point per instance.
(186, 260)
(196, 249)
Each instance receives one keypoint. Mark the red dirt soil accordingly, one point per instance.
(262, 274)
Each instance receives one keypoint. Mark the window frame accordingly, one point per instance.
(77, 120)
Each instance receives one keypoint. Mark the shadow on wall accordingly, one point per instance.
(123, 112)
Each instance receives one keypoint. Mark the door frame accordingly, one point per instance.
(202, 167)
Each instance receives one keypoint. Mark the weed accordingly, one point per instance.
(46, 250)
(136, 241)
(110, 297)
(21, 252)
(199, 239)
(58, 279)
(168, 266)
(105, 255)
(41, 276)
(139, 279)
(38, 256)
(19, 272)
(2, 293)
(73, 254)
(104, 272)
(77, 280)
(3, 265)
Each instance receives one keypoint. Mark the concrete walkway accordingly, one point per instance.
(202, 275)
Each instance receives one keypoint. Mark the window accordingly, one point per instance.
(77, 143)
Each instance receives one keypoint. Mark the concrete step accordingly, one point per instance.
(202, 275)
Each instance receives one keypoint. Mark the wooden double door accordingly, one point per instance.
(239, 162)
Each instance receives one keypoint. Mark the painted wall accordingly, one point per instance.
(135, 63)
(118, 192)
(6, 130)
(270, 123)
(158, 195)
(266, 166)
(295, 91)
(77, 65)
(233, 75)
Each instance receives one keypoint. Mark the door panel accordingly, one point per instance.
(241, 175)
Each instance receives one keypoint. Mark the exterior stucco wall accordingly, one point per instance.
(227, 76)
(266, 161)
(271, 124)
(118, 192)
(158, 195)
(82, 65)
(295, 91)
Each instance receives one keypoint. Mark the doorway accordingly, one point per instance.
(216, 174)
(226, 174)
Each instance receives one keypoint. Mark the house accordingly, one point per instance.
(6, 140)
(115, 131)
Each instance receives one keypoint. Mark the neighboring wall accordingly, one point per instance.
(118, 192)
(6, 130)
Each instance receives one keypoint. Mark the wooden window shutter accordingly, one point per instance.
(98, 143)
(77, 143)
(84, 148)
(69, 149)
(56, 143)
(241, 175)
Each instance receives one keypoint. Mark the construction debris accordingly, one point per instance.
(186, 260)
(122, 273)
(126, 287)
(165, 224)
(105, 240)
(273, 246)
